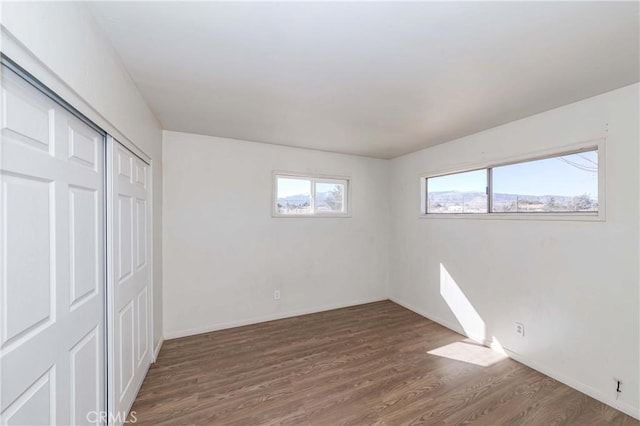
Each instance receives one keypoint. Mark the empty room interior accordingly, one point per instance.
(320, 213)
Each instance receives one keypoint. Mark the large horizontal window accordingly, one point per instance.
(566, 183)
(297, 195)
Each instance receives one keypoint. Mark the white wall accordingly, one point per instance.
(59, 43)
(225, 253)
(574, 285)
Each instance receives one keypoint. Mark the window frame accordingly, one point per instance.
(314, 179)
(598, 145)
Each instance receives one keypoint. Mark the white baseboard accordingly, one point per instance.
(156, 351)
(579, 386)
(264, 318)
(575, 384)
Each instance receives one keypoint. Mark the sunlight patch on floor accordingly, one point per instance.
(470, 352)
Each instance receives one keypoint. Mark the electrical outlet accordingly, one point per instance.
(520, 329)
(276, 294)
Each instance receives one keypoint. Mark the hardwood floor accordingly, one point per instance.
(367, 364)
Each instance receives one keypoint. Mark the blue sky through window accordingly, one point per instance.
(569, 175)
(289, 186)
(475, 181)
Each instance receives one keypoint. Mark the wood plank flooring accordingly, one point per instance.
(363, 365)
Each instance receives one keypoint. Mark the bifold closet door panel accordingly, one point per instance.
(131, 274)
(52, 289)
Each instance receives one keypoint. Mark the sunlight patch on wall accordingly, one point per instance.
(497, 346)
(465, 313)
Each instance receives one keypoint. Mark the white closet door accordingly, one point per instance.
(131, 275)
(51, 261)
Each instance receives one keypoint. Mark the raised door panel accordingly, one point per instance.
(126, 345)
(36, 406)
(84, 244)
(83, 146)
(142, 326)
(141, 173)
(141, 233)
(27, 116)
(124, 244)
(124, 165)
(86, 383)
(27, 281)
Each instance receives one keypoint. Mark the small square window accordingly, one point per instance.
(297, 195)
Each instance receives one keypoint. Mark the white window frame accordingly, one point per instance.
(314, 179)
(600, 215)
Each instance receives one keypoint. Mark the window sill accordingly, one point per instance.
(575, 217)
(310, 216)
